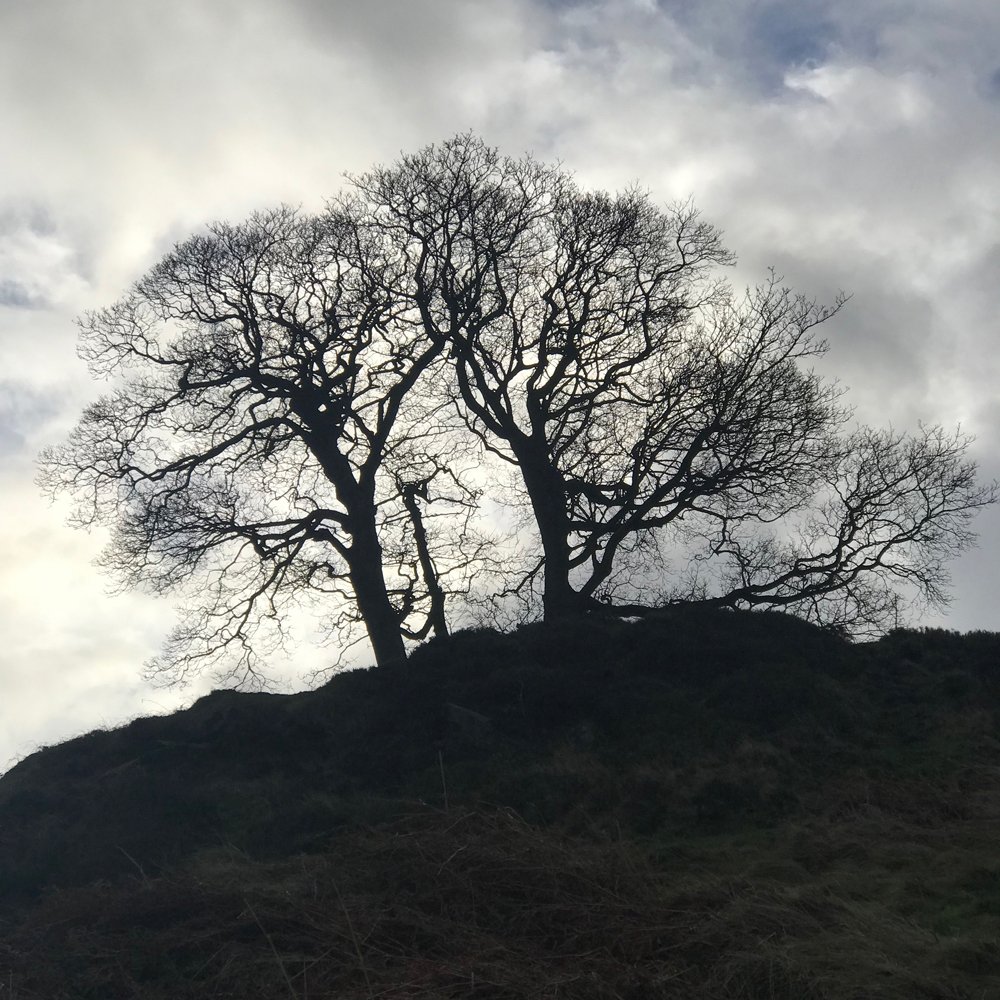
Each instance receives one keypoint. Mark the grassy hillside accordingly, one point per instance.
(702, 805)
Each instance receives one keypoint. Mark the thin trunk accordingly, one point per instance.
(436, 616)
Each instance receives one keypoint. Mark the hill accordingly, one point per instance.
(698, 805)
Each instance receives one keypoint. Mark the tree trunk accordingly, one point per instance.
(364, 558)
(376, 610)
(436, 618)
(547, 493)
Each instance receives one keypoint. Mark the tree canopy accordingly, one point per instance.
(324, 404)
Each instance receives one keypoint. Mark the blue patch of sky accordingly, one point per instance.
(758, 42)
(14, 295)
(781, 36)
(753, 43)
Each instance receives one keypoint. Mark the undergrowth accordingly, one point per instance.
(702, 807)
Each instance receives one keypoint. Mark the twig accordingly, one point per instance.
(454, 853)
(270, 941)
(444, 784)
(145, 877)
(354, 937)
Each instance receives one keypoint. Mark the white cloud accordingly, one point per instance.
(852, 145)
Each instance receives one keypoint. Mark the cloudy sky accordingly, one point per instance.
(851, 144)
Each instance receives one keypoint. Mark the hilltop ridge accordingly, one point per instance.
(701, 804)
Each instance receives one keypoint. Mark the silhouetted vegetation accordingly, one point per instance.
(704, 804)
(334, 407)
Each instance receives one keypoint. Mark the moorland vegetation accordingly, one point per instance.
(704, 805)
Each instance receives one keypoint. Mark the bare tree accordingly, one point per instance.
(302, 404)
(887, 515)
(553, 303)
(263, 375)
(645, 405)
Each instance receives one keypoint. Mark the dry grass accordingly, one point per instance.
(746, 812)
(480, 904)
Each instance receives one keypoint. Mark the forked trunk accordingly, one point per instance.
(437, 621)
(364, 557)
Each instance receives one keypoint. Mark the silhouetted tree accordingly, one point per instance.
(302, 403)
(263, 372)
(645, 405)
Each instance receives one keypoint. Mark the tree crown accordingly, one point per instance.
(320, 405)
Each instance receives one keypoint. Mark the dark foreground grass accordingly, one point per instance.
(707, 808)
(482, 904)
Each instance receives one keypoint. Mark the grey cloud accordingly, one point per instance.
(746, 45)
(16, 295)
(39, 263)
(991, 84)
(28, 214)
(751, 45)
(24, 410)
(148, 119)
(757, 43)
(436, 64)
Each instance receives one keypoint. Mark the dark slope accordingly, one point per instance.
(702, 804)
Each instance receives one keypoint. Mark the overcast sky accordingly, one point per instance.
(851, 144)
